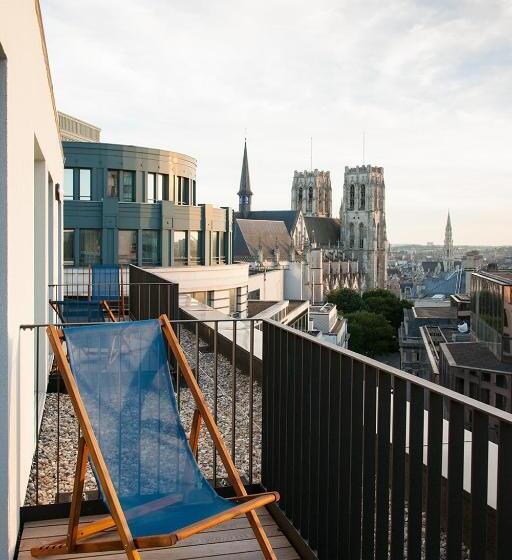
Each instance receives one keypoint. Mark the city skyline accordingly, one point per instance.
(424, 82)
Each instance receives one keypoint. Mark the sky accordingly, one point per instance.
(428, 83)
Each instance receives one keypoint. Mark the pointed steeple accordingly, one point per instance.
(448, 245)
(244, 192)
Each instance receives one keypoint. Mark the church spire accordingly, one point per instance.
(448, 244)
(244, 192)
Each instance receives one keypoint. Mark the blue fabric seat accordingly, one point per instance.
(123, 378)
(80, 311)
(105, 282)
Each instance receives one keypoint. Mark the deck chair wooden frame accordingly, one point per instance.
(88, 446)
(56, 307)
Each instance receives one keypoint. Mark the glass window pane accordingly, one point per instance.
(127, 247)
(150, 188)
(180, 247)
(159, 186)
(85, 184)
(69, 247)
(221, 245)
(150, 248)
(68, 184)
(128, 193)
(90, 246)
(194, 247)
(215, 246)
(113, 183)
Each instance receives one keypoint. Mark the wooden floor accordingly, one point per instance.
(231, 540)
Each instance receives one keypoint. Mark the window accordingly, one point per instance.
(84, 185)
(361, 236)
(222, 253)
(193, 198)
(215, 247)
(181, 190)
(484, 395)
(150, 248)
(128, 192)
(501, 401)
(155, 187)
(351, 197)
(127, 247)
(159, 187)
(113, 183)
(362, 198)
(179, 246)
(69, 247)
(68, 184)
(194, 247)
(351, 235)
(501, 381)
(90, 246)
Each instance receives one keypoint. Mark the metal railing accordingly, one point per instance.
(372, 462)
(232, 390)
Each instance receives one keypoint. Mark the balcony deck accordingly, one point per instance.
(233, 539)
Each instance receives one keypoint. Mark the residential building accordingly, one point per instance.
(134, 205)
(75, 130)
(363, 222)
(31, 178)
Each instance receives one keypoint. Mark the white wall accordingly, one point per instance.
(30, 164)
(269, 283)
(296, 281)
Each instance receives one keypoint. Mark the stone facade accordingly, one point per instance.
(448, 246)
(363, 222)
(312, 193)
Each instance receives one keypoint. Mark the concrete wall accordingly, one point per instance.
(31, 164)
(269, 283)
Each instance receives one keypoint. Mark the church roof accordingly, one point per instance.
(323, 230)
(249, 235)
(289, 217)
(245, 180)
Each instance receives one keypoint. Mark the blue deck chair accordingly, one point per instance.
(119, 382)
(79, 311)
(105, 285)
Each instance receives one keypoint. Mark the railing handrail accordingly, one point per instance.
(428, 385)
(227, 320)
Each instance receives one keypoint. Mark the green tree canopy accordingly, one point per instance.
(370, 334)
(346, 300)
(387, 304)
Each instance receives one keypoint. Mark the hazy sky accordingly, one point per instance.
(429, 81)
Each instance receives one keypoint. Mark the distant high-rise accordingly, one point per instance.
(448, 245)
(363, 222)
(244, 192)
(75, 130)
(312, 193)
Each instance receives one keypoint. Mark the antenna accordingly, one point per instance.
(364, 138)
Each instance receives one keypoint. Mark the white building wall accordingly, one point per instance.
(270, 284)
(31, 163)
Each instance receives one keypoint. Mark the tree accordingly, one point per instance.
(346, 300)
(387, 304)
(370, 334)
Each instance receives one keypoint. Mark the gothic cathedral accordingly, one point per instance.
(363, 222)
(311, 193)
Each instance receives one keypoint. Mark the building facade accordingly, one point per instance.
(75, 130)
(31, 173)
(363, 222)
(132, 205)
(312, 193)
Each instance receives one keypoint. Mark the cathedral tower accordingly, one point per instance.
(311, 192)
(448, 245)
(244, 192)
(363, 222)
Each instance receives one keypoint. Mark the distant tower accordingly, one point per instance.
(448, 245)
(312, 193)
(244, 192)
(363, 222)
